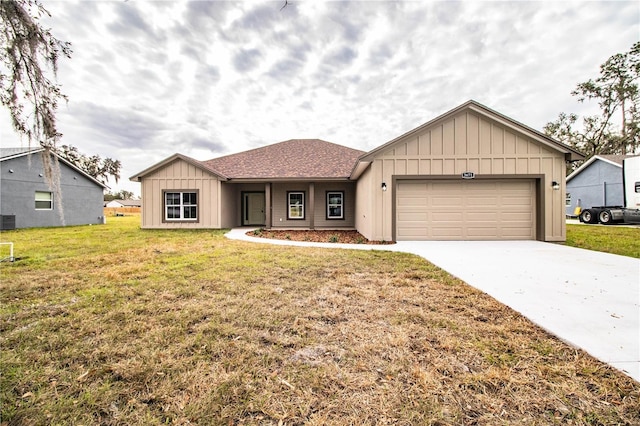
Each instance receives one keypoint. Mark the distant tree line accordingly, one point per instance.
(120, 195)
(94, 165)
(616, 130)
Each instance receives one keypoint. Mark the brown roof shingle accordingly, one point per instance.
(295, 158)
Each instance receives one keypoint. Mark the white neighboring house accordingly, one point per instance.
(124, 203)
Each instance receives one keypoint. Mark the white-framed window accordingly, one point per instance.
(295, 205)
(335, 205)
(567, 200)
(44, 200)
(181, 206)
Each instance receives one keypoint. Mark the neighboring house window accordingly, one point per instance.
(567, 200)
(181, 206)
(295, 205)
(335, 205)
(44, 200)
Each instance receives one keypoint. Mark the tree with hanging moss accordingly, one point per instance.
(29, 59)
(28, 89)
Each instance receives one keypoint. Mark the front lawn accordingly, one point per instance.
(115, 325)
(614, 239)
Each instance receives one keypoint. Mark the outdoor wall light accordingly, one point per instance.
(384, 186)
(555, 185)
(10, 170)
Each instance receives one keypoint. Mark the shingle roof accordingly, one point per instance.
(295, 158)
(13, 152)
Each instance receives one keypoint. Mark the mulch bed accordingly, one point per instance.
(316, 236)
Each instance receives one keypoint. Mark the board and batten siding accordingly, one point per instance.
(179, 175)
(317, 205)
(465, 142)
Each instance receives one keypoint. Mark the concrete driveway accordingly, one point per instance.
(589, 299)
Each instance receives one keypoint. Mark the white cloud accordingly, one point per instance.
(207, 78)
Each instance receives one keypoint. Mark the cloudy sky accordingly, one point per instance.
(210, 78)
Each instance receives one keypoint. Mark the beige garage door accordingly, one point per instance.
(465, 209)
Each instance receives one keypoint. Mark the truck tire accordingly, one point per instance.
(588, 216)
(605, 217)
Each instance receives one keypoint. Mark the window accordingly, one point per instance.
(44, 200)
(335, 203)
(181, 206)
(567, 200)
(295, 205)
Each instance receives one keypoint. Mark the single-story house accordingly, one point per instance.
(469, 174)
(597, 182)
(26, 201)
(116, 203)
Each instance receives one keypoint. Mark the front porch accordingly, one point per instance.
(289, 204)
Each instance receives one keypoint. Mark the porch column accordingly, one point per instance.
(267, 205)
(310, 209)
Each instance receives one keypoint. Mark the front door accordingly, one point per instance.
(253, 208)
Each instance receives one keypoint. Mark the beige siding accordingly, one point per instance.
(468, 142)
(363, 209)
(315, 208)
(279, 205)
(320, 205)
(180, 175)
(229, 210)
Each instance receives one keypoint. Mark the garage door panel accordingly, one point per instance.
(516, 217)
(479, 201)
(413, 201)
(442, 201)
(465, 210)
(446, 217)
(446, 232)
(516, 201)
(408, 217)
(481, 217)
(487, 233)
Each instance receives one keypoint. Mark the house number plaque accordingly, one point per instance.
(468, 175)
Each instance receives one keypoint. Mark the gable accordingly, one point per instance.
(471, 130)
(611, 162)
(595, 173)
(465, 134)
(177, 165)
(31, 158)
(179, 168)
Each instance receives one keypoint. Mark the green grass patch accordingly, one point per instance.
(620, 240)
(112, 324)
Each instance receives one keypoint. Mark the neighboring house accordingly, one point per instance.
(469, 174)
(26, 200)
(123, 203)
(597, 182)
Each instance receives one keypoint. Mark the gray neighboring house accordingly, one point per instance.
(598, 182)
(26, 201)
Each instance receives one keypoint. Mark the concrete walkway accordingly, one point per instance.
(589, 299)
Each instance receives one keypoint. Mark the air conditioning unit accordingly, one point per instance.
(7, 222)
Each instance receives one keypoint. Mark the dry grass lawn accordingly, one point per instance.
(112, 325)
